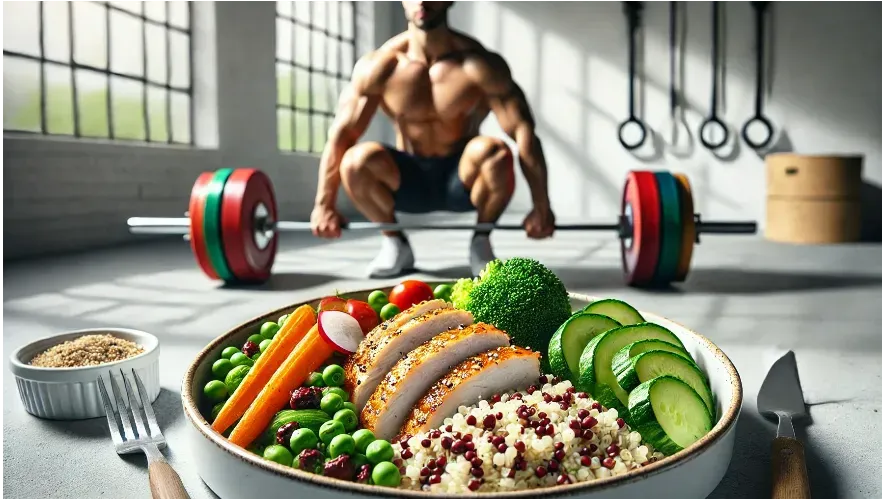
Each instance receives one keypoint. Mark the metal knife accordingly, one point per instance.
(781, 396)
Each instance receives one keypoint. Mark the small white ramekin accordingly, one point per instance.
(70, 393)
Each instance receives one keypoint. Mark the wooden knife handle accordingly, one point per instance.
(165, 482)
(789, 475)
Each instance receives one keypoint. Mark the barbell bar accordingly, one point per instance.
(232, 226)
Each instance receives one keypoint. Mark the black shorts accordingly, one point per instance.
(429, 184)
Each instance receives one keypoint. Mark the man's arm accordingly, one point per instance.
(509, 104)
(355, 109)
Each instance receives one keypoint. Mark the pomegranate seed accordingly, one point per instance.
(474, 485)
(620, 422)
(582, 395)
(543, 379)
(541, 471)
(431, 464)
(584, 451)
(403, 443)
(458, 447)
(489, 422)
(531, 411)
(471, 420)
(583, 413)
(613, 450)
(609, 463)
(510, 474)
(520, 446)
(542, 415)
(470, 455)
(562, 479)
(442, 462)
(477, 462)
(553, 465)
(531, 389)
(557, 398)
(544, 421)
(477, 472)
(596, 405)
(586, 460)
(448, 428)
(435, 434)
(470, 445)
(426, 443)
(546, 397)
(571, 389)
(499, 416)
(467, 437)
(540, 431)
(523, 429)
(549, 429)
(497, 440)
(446, 442)
(457, 435)
(397, 462)
(425, 472)
(587, 434)
(522, 465)
(496, 398)
(435, 479)
(558, 445)
(407, 454)
(592, 448)
(589, 422)
(564, 406)
(577, 433)
(559, 454)
(517, 396)
(502, 448)
(535, 423)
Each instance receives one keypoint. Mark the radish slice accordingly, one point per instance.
(340, 330)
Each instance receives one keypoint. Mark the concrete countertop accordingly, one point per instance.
(753, 298)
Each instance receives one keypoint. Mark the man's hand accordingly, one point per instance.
(326, 222)
(539, 223)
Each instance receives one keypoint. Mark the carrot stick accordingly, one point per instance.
(291, 333)
(304, 359)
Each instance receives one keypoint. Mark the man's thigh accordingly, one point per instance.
(429, 184)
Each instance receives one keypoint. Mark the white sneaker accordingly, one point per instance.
(395, 257)
(480, 253)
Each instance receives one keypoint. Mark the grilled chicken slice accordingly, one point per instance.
(393, 344)
(414, 374)
(478, 377)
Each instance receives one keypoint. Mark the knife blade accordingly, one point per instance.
(781, 396)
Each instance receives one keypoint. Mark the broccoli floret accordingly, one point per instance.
(520, 296)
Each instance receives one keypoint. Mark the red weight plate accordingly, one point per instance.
(248, 196)
(197, 233)
(640, 204)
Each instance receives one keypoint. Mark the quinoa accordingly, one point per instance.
(87, 350)
(547, 435)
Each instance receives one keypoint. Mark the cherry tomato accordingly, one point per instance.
(332, 303)
(410, 292)
(365, 315)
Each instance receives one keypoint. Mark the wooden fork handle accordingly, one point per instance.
(165, 482)
(789, 475)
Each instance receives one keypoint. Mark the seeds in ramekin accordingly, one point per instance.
(87, 350)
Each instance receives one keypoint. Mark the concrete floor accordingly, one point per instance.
(753, 298)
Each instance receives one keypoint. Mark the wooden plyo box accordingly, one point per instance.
(813, 199)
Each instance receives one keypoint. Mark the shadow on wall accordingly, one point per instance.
(871, 212)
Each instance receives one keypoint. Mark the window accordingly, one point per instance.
(315, 52)
(108, 70)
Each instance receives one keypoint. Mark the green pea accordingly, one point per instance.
(269, 329)
(389, 311)
(221, 367)
(234, 378)
(350, 406)
(315, 379)
(331, 403)
(348, 418)
(302, 439)
(240, 359)
(377, 299)
(256, 339)
(216, 390)
(443, 292)
(363, 438)
(264, 345)
(228, 352)
(330, 429)
(339, 391)
(378, 451)
(333, 375)
(341, 444)
(386, 474)
(216, 409)
(358, 460)
(282, 319)
(278, 454)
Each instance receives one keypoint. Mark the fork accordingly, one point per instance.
(164, 481)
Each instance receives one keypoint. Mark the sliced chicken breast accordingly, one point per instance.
(412, 376)
(478, 377)
(390, 346)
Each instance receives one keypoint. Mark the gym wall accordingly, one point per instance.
(571, 60)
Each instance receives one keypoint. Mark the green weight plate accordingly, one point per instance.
(671, 229)
(214, 193)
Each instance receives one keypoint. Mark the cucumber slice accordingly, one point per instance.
(631, 372)
(595, 364)
(570, 339)
(616, 309)
(621, 360)
(668, 414)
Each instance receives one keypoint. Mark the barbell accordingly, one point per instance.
(232, 224)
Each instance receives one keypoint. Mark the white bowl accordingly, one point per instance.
(692, 473)
(69, 393)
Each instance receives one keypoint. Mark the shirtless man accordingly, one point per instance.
(437, 86)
